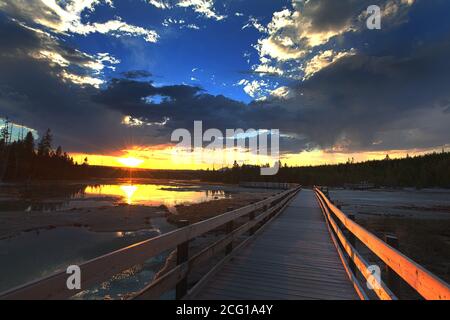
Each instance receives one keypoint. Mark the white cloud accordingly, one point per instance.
(283, 93)
(65, 17)
(204, 7)
(93, 64)
(322, 60)
(117, 28)
(180, 22)
(267, 69)
(192, 26)
(53, 57)
(160, 4)
(256, 89)
(253, 22)
(81, 80)
(72, 65)
(297, 41)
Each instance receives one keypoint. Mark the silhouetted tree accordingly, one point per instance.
(4, 132)
(45, 145)
(58, 152)
(28, 143)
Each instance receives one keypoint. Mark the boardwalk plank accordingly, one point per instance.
(293, 258)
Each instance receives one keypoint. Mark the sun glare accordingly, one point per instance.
(129, 191)
(130, 161)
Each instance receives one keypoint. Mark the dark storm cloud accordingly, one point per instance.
(136, 74)
(84, 118)
(399, 99)
(368, 103)
(33, 93)
(331, 15)
(359, 103)
(24, 9)
(181, 103)
(328, 15)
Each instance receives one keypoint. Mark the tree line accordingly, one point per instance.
(430, 170)
(26, 159)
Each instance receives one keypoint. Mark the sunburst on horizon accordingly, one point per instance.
(131, 162)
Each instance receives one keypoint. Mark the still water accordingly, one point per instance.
(60, 197)
(152, 194)
(35, 254)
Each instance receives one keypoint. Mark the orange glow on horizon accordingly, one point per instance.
(165, 158)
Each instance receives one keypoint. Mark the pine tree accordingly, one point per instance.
(59, 152)
(29, 143)
(45, 145)
(4, 132)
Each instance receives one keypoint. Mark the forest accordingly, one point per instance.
(430, 170)
(25, 159)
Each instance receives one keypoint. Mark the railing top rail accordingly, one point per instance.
(102, 268)
(423, 281)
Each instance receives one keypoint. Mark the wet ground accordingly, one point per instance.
(47, 226)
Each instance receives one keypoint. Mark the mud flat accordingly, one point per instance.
(100, 219)
(119, 216)
(204, 210)
(45, 227)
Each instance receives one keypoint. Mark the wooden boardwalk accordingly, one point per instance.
(293, 258)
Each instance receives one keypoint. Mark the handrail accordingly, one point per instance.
(380, 288)
(104, 267)
(423, 281)
(356, 284)
(268, 185)
(154, 289)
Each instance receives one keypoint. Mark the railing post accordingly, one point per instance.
(340, 223)
(229, 229)
(251, 217)
(352, 241)
(392, 279)
(182, 256)
(264, 209)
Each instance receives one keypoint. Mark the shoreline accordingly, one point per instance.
(119, 217)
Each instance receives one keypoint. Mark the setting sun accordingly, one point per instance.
(130, 161)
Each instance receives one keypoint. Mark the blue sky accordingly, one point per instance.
(216, 56)
(105, 74)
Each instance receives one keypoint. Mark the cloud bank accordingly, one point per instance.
(375, 91)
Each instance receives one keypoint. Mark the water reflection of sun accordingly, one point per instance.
(153, 195)
(129, 191)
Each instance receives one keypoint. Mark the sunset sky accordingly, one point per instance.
(114, 78)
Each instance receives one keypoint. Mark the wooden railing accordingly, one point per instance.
(268, 185)
(421, 280)
(103, 268)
